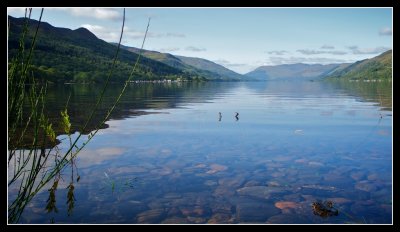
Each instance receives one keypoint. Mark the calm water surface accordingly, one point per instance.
(167, 157)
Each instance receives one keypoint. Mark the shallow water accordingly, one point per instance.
(167, 157)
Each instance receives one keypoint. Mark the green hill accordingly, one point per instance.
(65, 55)
(191, 65)
(207, 65)
(379, 67)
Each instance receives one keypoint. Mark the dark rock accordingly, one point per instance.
(151, 216)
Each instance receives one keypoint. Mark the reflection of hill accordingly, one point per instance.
(379, 92)
(136, 100)
(289, 88)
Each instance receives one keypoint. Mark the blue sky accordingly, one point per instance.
(240, 39)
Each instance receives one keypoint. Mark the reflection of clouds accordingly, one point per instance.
(130, 126)
(89, 157)
(351, 112)
(114, 127)
(383, 132)
(326, 113)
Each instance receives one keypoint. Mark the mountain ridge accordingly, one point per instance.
(378, 67)
(298, 71)
(193, 65)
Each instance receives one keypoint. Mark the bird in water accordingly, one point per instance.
(220, 116)
(237, 116)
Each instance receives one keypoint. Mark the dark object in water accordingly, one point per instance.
(324, 209)
(220, 116)
(237, 116)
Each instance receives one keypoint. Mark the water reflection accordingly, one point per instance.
(377, 92)
(296, 144)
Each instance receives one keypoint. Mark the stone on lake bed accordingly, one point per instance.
(216, 168)
(175, 220)
(273, 184)
(200, 166)
(287, 219)
(358, 175)
(366, 186)
(339, 200)
(151, 216)
(301, 161)
(222, 191)
(319, 187)
(196, 220)
(210, 183)
(252, 183)
(315, 164)
(161, 171)
(286, 205)
(263, 192)
(231, 182)
(193, 212)
(255, 212)
(219, 218)
(172, 196)
(373, 176)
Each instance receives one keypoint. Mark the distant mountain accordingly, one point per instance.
(210, 66)
(290, 72)
(379, 67)
(65, 55)
(191, 65)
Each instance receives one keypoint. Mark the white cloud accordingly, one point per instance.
(278, 52)
(228, 63)
(170, 34)
(112, 35)
(98, 13)
(359, 51)
(89, 157)
(311, 60)
(171, 49)
(195, 49)
(316, 52)
(103, 33)
(325, 46)
(386, 31)
(140, 34)
(15, 10)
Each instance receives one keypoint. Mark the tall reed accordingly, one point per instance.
(30, 165)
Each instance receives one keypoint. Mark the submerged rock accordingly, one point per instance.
(196, 220)
(220, 218)
(366, 186)
(358, 175)
(257, 212)
(286, 205)
(231, 182)
(287, 219)
(252, 183)
(263, 192)
(150, 216)
(339, 200)
(216, 168)
(315, 164)
(175, 220)
(210, 183)
(172, 196)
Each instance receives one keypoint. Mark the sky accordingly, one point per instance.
(240, 39)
